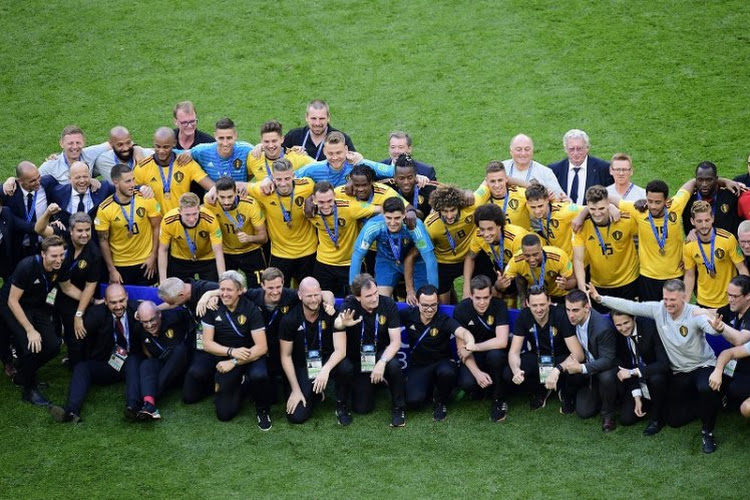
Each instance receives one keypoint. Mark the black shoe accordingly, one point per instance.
(398, 417)
(568, 407)
(498, 411)
(10, 370)
(539, 400)
(264, 420)
(439, 412)
(131, 414)
(35, 397)
(61, 415)
(148, 412)
(343, 414)
(608, 424)
(709, 443)
(653, 428)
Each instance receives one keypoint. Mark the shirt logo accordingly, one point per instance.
(169, 334)
(433, 332)
(241, 319)
(82, 264)
(719, 253)
(237, 164)
(683, 331)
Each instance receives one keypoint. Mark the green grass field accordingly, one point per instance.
(662, 81)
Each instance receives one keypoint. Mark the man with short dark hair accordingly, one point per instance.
(723, 201)
(405, 184)
(496, 189)
(271, 149)
(227, 156)
(552, 221)
(312, 136)
(399, 143)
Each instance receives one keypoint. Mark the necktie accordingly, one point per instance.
(29, 203)
(81, 206)
(121, 340)
(574, 185)
(634, 350)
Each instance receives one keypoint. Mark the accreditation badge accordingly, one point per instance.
(51, 297)
(199, 339)
(644, 390)
(367, 358)
(730, 367)
(118, 357)
(545, 368)
(314, 364)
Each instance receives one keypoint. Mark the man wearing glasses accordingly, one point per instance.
(579, 171)
(187, 131)
(621, 169)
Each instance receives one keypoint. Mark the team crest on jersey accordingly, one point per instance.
(96, 220)
(719, 253)
(82, 264)
(342, 223)
(237, 164)
(299, 201)
(284, 309)
(382, 319)
(469, 219)
(323, 325)
(554, 223)
(420, 199)
(508, 254)
(169, 334)
(672, 216)
(554, 331)
(513, 204)
(617, 235)
(725, 208)
(683, 331)
(406, 241)
(179, 176)
(54, 277)
(490, 319)
(141, 212)
(241, 319)
(433, 332)
(203, 234)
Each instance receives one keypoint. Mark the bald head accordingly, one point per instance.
(118, 132)
(28, 176)
(24, 168)
(521, 139)
(78, 167)
(164, 134)
(147, 309)
(522, 151)
(309, 284)
(114, 290)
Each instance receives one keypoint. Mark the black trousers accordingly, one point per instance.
(530, 367)
(66, 309)
(190, 269)
(690, 396)
(228, 396)
(199, 379)
(341, 375)
(30, 362)
(738, 389)
(651, 289)
(298, 268)
(332, 278)
(134, 275)
(251, 263)
(99, 372)
(654, 408)
(158, 374)
(592, 393)
(494, 363)
(363, 390)
(422, 380)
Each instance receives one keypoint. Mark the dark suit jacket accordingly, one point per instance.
(7, 245)
(649, 347)
(601, 340)
(100, 327)
(597, 172)
(61, 195)
(17, 208)
(422, 168)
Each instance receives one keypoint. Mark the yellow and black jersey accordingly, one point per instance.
(244, 218)
(556, 229)
(555, 262)
(129, 227)
(511, 243)
(259, 168)
(190, 243)
(609, 251)
(452, 242)
(657, 263)
(380, 193)
(167, 188)
(291, 233)
(513, 205)
(338, 232)
(711, 288)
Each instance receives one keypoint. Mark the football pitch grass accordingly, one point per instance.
(662, 81)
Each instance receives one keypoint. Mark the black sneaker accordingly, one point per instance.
(264, 420)
(35, 397)
(709, 443)
(149, 412)
(567, 406)
(498, 411)
(539, 400)
(652, 428)
(398, 417)
(131, 414)
(60, 414)
(439, 412)
(343, 414)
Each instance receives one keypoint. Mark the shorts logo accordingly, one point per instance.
(169, 334)
(683, 331)
(719, 253)
(82, 264)
(617, 235)
(179, 176)
(433, 332)
(241, 319)
(237, 164)
(141, 212)
(203, 234)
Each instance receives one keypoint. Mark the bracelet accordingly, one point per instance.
(229, 351)
(559, 367)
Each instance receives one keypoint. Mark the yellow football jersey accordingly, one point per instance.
(555, 263)
(513, 205)
(128, 248)
(712, 291)
(245, 217)
(190, 243)
(512, 236)
(613, 260)
(260, 168)
(297, 237)
(653, 264)
(348, 213)
(556, 228)
(452, 243)
(147, 172)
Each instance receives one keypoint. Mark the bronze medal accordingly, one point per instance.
(167, 195)
(662, 251)
(712, 273)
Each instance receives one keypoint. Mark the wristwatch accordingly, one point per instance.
(79, 314)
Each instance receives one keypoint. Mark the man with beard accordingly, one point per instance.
(190, 242)
(123, 151)
(73, 144)
(312, 136)
(167, 179)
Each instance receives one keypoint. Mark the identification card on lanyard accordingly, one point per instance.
(199, 338)
(546, 365)
(367, 357)
(51, 294)
(51, 297)
(314, 364)
(118, 357)
(730, 367)
(644, 390)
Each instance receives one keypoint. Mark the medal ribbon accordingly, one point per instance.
(539, 282)
(320, 146)
(396, 249)
(663, 240)
(166, 182)
(334, 235)
(191, 244)
(710, 264)
(599, 237)
(551, 341)
(287, 214)
(131, 220)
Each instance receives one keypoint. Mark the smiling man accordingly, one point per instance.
(123, 151)
(723, 201)
(579, 171)
(227, 156)
(73, 145)
(522, 166)
(271, 149)
(311, 137)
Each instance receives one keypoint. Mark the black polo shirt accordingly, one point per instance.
(306, 335)
(435, 343)
(724, 207)
(272, 315)
(174, 328)
(200, 137)
(373, 329)
(296, 136)
(85, 268)
(561, 329)
(234, 328)
(422, 201)
(481, 326)
(35, 282)
(743, 323)
(422, 168)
